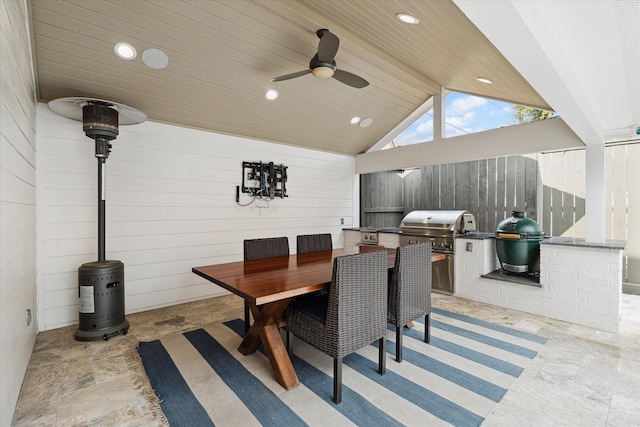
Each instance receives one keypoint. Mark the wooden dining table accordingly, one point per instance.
(268, 285)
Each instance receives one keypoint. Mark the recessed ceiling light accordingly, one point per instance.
(125, 51)
(406, 18)
(354, 120)
(484, 80)
(271, 95)
(366, 122)
(155, 58)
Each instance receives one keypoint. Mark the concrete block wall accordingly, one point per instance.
(578, 284)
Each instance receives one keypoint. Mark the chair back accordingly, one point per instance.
(357, 309)
(266, 248)
(410, 285)
(313, 243)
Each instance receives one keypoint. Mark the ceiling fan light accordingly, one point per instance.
(322, 72)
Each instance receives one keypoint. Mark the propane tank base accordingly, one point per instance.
(103, 334)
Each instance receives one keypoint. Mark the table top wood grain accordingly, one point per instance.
(266, 280)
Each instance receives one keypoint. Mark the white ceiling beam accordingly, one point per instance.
(545, 135)
(521, 31)
(408, 121)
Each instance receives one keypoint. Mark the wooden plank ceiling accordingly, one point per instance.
(222, 55)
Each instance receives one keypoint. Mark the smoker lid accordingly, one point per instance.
(445, 220)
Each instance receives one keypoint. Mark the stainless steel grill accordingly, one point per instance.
(439, 227)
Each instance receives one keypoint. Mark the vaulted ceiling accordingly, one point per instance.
(223, 54)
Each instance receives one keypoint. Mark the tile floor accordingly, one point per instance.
(581, 377)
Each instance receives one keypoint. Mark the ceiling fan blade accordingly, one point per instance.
(290, 76)
(328, 46)
(350, 79)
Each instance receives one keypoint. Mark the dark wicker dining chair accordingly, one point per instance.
(313, 242)
(410, 290)
(349, 317)
(268, 247)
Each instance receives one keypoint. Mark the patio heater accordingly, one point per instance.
(100, 283)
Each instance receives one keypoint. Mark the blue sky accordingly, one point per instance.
(464, 114)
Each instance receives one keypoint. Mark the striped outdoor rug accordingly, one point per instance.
(201, 379)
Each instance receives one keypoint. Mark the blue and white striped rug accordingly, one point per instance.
(201, 379)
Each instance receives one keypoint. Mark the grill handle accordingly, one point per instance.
(518, 236)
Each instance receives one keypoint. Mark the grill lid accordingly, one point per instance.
(429, 222)
(518, 226)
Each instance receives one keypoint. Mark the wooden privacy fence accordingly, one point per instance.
(490, 189)
(549, 187)
(564, 204)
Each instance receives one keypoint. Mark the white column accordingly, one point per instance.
(438, 115)
(595, 195)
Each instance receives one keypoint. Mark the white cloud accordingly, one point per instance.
(420, 131)
(462, 121)
(466, 103)
(425, 128)
(464, 114)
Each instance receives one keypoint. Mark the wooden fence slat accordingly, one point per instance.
(436, 188)
(492, 203)
(474, 200)
(428, 177)
(554, 176)
(608, 188)
(412, 191)
(546, 212)
(520, 184)
(448, 185)
(462, 191)
(501, 200)
(568, 192)
(633, 215)
(531, 188)
(618, 192)
(481, 217)
(510, 186)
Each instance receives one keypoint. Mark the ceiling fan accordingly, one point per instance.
(323, 65)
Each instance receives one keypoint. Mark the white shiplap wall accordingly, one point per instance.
(170, 207)
(17, 203)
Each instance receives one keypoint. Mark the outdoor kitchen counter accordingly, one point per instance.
(393, 230)
(577, 242)
(475, 235)
(580, 282)
(561, 241)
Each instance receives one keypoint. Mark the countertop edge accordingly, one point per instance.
(388, 230)
(475, 235)
(580, 242)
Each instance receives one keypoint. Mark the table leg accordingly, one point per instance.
(265, 330)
